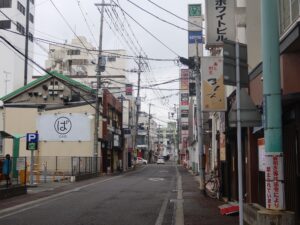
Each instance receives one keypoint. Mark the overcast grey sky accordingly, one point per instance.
(50, 25)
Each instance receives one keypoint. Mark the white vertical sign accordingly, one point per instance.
(213, 95)
(220, 23)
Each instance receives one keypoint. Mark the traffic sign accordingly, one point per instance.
(32, 140)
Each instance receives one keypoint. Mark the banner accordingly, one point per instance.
(64, 127)
(129, 89)
(184, 79)
(220, 22)
(213, 94)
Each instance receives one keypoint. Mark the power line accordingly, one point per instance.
(146, 30)
(65, 20)
(86, 22)
(175, 15)
(40, 67)
(157, 17)
(47, 41)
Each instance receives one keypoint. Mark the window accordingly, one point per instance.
(73, 52)
(5, 24)
(31, 18)
(20, 28)
(5, 3)
(21, 8)
(111, 58)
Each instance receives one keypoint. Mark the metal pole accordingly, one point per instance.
(272, 106)
(26, 43)
(98, 77)
(239, 134)
(31, 166)
(199, 118)
(138, 103)
(149, 126)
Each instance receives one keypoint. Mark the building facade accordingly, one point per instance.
(13, 28)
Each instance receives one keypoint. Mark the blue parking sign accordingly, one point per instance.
(32, 140)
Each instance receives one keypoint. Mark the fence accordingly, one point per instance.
(18, 173)
(47, 168)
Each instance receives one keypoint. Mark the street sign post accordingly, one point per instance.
(32, 140)
(229, 68)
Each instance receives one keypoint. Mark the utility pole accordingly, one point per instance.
(274, 174)
(138, 102)
(100, 68)
(199, 118)
(26, 42)
(149, 126)
(158, 146)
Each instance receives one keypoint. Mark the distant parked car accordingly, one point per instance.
(160, 160)
(140, 160)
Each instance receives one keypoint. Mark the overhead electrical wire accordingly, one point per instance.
(40, 67)
(145, 29)
(86, 22)
(175, 15)
(68, 24)
(157, 17)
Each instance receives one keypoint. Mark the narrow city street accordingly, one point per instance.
(150, 195)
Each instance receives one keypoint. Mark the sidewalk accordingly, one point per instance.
(47, 189)
(198, 209)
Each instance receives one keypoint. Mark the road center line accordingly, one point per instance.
(179, 218)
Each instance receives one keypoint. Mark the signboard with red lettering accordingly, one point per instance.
(213, 95)
(220, 22)
(274, 181)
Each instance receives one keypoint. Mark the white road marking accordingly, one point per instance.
(35, 203)
(179, 218)
(156, 179)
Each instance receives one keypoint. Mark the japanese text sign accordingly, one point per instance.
(274, 181)
(220, 21)
(213, 94)
(65, 126)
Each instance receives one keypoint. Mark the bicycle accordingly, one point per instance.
(212, 186)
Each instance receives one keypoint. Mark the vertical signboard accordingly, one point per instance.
(129, 89)
(195, 30)
(261, 154)
(274, 180)
(220, 22)
(213, 89)
(184, 79)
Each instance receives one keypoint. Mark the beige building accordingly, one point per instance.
(60, 109)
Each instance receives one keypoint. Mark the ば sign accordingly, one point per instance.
(63, 125)
(66, 127)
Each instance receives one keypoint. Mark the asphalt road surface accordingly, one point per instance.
(147, 196)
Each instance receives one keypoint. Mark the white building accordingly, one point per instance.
(13, 21)
(79, 59)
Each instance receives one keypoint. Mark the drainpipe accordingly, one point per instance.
(272, 106)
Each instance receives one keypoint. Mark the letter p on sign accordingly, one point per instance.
(32, 141)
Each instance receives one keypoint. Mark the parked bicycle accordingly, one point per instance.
(212, 186)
